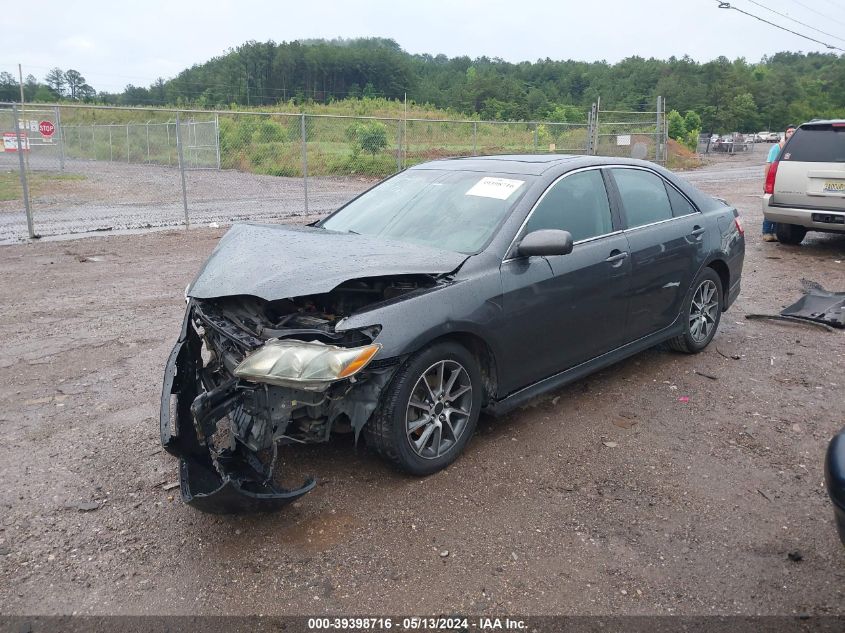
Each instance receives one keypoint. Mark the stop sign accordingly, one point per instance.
(46, 128)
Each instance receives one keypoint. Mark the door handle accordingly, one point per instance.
(697, 230)
(617, 257)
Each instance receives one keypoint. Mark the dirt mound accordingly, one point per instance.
(681, 157)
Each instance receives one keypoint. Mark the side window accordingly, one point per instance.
(680, 205)
(643, 196)
(576, 203)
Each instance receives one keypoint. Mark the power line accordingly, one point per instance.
(783, 15)
(728, 5)
(826, 17)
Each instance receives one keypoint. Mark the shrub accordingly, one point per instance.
(677, 128)
(269, 132)
(370, 137)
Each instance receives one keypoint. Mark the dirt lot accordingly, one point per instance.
(612, 496)
(115, 197)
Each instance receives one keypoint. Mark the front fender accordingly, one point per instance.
(456, 307)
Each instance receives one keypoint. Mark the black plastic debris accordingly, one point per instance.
(818, 305)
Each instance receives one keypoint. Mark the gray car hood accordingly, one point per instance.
(277, 262)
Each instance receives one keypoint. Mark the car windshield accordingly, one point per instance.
(451, 210)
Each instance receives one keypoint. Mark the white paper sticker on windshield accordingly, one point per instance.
(499, 188)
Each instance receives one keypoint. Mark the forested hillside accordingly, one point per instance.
(729, 95)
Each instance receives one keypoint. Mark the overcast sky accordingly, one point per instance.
(115, 44)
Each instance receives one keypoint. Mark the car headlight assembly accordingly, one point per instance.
(311, 366)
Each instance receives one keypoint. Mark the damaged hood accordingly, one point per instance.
(277, 262)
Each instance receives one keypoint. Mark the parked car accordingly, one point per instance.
(768, 137)
(835, 479)
(731, 143)
(455, 287)
(805, 186)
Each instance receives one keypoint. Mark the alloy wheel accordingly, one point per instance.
(703, 311)
(439, 409)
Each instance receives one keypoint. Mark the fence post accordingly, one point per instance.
(111, 151)
(148, 141)
(217, 137)
(657, 133)
(304, 159)
(61, 139)
(536, 137)
(181, 169)
(24, 184)
(127, 143)
(475, 138)
(398, 145)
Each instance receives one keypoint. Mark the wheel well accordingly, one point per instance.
(721, 269)
(486, 360)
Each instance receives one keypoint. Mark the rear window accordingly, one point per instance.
(816, 144)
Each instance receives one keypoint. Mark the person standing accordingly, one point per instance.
(769, 227)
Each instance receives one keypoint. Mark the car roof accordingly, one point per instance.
(527, 164)
(823, 122)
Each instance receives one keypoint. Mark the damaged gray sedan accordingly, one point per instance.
(452, 288)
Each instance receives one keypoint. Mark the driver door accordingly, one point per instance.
(564, 310)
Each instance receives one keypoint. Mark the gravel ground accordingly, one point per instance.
(119, 197)
(611, 496)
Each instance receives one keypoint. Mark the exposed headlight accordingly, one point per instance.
(310, 366)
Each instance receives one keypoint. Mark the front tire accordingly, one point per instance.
(790, 233)
(702, 312)
(429, 410)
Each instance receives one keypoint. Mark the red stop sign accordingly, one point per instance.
(46, 128)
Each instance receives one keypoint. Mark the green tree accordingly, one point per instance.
(743, 112)
(74, 81)
(692, 121)
(677, 128)
(56, 80)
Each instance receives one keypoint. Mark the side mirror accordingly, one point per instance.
(545, 242)
(835, 478)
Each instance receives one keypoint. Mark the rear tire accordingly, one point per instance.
(429, 410)
(790, 233)
(701, 314)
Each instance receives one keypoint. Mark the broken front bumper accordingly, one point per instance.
(235, 481)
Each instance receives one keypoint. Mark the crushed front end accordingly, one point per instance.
(225, 409)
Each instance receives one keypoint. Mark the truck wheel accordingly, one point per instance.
(790, 233)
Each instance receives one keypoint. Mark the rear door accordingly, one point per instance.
(811, 168)
(666, 236)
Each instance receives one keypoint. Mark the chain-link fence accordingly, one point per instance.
(736, 143)
(631, 134)
(73, 169)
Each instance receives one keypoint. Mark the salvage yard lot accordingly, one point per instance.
(665, 484)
